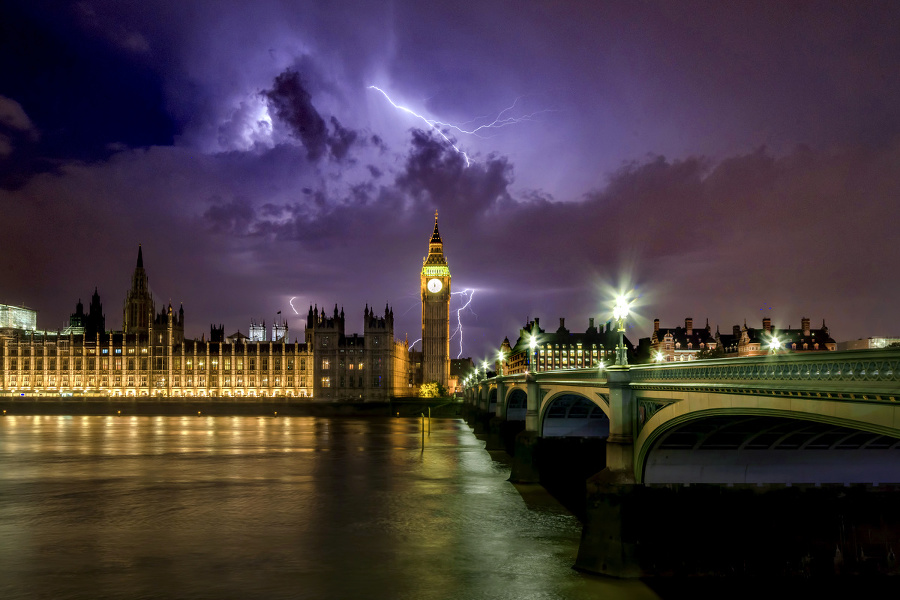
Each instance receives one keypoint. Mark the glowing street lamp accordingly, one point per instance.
(485, 365)
(500, 368)
(533, 345)
(620, 313)
(775, 344)
(660, 357)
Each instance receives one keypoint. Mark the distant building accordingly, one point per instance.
(91, 324)
(460, 368)
(257, 331)
(679, 344)
(17, 318)
(563, 349)
(868, 343)
(279, 329)
(751, 341)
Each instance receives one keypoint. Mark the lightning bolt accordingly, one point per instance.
(414, 343)
(501, 120)
(429, 122)
(469, 294)
(291, 302)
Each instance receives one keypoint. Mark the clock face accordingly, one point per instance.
(434, 286)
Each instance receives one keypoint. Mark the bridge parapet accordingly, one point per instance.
(850, 375)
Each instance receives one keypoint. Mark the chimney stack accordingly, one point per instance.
(689, 325)
(805, 325)
(655, 324)
(767, 324)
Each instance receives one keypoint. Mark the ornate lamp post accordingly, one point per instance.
(620, 312)
(500, 367)
(485, 365)
(774, 344)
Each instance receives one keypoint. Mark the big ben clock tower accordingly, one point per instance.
(435, 312)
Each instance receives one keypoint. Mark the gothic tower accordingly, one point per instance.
(139, 309)
(435, 281)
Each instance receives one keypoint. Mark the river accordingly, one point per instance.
(286, 507)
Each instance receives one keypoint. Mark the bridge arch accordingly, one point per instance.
(571, 414)
(516, 404)
(750, 444)
(492, 399)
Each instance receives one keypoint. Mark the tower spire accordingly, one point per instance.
(140, 260)
(436, 235)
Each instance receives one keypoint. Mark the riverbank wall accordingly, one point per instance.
(118, 406)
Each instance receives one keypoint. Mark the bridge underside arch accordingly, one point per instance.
(574, 415)
(517, 405)
(770, 449)
(492, 400)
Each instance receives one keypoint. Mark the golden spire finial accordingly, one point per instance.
(435, 216)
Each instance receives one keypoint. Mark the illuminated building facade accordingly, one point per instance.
(752, 341)
(678, 344)
(435, 287)
(118, 364)
(372, 366)
(15, 318)
(151, 357)
(563, 349)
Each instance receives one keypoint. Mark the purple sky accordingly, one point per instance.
(726, 161)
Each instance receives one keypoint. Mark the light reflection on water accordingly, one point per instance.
(287, 507)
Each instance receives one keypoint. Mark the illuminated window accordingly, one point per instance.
(326, 382)
(326, 364)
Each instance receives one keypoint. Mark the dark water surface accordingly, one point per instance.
(299, 507)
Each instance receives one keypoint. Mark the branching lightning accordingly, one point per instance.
(501, 120)
(469, 294)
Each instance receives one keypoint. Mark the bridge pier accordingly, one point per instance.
(525, 453)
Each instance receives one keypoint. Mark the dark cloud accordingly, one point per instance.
(340, 140)
(292, 104)
(235, 217)
(436, 174)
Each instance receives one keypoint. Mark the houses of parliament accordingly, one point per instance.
(150, 356)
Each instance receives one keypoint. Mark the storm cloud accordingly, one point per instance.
(717, 161)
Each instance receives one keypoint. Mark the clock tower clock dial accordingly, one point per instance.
(435, 280)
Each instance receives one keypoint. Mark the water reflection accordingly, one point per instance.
(274, 507)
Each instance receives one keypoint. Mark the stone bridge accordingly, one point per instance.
(789, 418)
